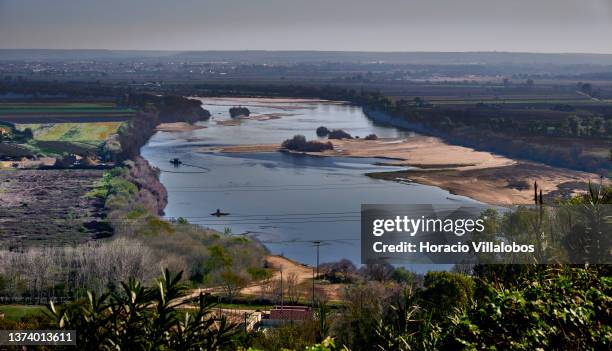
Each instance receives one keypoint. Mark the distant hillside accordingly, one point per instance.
(443, 58)
(255, 56)
(60, 55)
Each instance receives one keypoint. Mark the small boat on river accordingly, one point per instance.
(218, 213)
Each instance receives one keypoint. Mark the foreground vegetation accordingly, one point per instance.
(142, 243)
(481, 307)
(497, 308)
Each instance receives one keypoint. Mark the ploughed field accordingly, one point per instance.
(38, 205)
(63, 112)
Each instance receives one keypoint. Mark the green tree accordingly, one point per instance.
(574, 124)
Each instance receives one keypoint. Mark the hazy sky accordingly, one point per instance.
(361, 25)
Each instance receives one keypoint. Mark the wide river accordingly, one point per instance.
(286, 201)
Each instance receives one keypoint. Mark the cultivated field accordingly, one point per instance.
(94, 132)
(58, 127)
(38, 205)
(63, 112)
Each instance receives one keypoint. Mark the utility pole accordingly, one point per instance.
(318, 244)
(313, 288)
(281, 286)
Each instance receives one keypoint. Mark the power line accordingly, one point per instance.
(251, 223)
(279, 189)
(182, 172)
(238, 221)
(271, 218)
(284, 214)
(308, 214)
(99, 242)
(267, 186)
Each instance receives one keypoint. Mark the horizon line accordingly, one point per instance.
(323, 51)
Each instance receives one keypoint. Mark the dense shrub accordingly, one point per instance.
(371, 137)
(554, 308)
(322, 131)
(299, 143)
(290, 336)
(444, 292)
(343, 271)
(339, 134)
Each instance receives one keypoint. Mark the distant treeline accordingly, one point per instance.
(531, 134)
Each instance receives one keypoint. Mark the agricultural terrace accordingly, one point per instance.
(63, 112)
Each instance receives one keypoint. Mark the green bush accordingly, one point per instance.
(554, 308)
(444, 292)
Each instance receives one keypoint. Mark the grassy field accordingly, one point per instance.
(17, 312)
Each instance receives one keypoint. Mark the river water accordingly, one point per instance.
(286, 201)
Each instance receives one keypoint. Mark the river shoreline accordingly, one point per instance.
(479, 175)
(244, 163)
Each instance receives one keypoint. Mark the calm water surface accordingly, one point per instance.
(286, 201)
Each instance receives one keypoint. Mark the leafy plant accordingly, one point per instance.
(136, 317)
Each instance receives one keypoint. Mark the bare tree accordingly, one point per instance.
(232, 283)
(292, 289)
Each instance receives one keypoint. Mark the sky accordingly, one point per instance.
(338, 25)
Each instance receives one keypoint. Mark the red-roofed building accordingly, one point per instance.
(286, 314)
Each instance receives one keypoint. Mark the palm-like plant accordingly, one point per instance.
(145, 318)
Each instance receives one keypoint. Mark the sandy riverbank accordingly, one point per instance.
(460, 170)
(283, 104)
(261, 117)
(260, 99)
(178, 127)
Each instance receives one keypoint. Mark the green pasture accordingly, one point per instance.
(17, 312)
